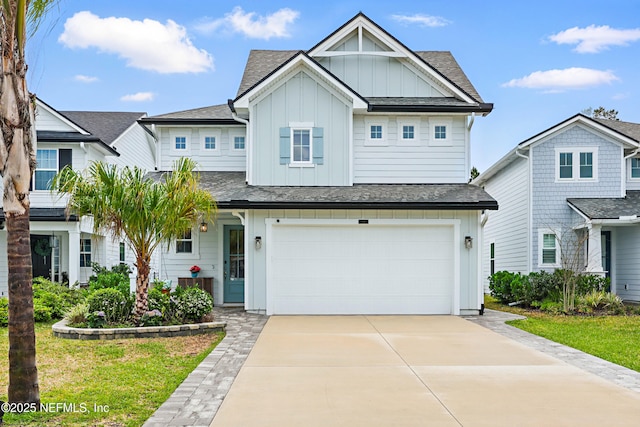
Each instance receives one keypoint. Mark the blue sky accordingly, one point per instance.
(539, 62)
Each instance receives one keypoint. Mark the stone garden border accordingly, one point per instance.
(61, 330)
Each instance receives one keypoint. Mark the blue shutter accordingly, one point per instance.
(318, 146)
(285, 146)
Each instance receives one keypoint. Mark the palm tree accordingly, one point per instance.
(17, 162)
(145, 213)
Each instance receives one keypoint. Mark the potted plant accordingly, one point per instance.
(194, 270)
(166, 287)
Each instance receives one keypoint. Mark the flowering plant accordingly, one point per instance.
(194, 269)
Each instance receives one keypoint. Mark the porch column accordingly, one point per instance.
(594, 255)
(74, 256)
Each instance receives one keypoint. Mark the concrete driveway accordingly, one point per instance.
(412, 371)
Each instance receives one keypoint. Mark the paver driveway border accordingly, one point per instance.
(197, 400)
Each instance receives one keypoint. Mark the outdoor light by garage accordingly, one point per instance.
(204, 227)
(468, 242)
(258, 242)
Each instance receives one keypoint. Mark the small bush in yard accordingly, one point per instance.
(600, 301)
(4, 311)
(58, 298)
(193, 304)
(116, 307)
(151, 318)
(77, 315)
(41, 312)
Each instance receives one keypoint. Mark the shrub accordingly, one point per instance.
(542, 285)
(193, 304)
(59, 298)
(116, 278)
(117, 307)
(4, 311)
(589, 282)
(77, 315)
(151, 318)
(500, 286)
(96, 319)
(41, 313)
(551, 306)
(600, 301)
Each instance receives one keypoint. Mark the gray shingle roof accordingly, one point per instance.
(105, 125)
(632, 130)
(214, 112)
(612, 208)
(263, 62)
(230, 191)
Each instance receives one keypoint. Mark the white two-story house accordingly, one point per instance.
(63, 249)
(569, 198)
(341, 178)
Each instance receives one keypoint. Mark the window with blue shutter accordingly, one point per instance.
(301, 146)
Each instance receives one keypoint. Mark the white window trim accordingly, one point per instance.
(367, 133)
(83, 252)
(177, 133)
(233, 151)
(575, 151)
(297, 126)
(629, 176)
(195, 248)
(416, 132)
(541, 233)
(57, 157)
(215, 134)
(446, 142)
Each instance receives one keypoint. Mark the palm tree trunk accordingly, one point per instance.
(23, 374)
(143, 263)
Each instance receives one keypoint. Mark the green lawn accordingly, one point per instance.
(110, 383)
(612, 338)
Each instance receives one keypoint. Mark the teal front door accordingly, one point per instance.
(233, 264)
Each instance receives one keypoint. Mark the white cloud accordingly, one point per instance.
(422, 20)
(559, 80)
(147, 45)
(138, 97)
(85, 79)
(594, 39)
(252, 26)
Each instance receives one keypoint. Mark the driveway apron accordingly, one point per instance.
(412, 371)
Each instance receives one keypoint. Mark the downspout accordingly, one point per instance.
(471, 120)
(154, 135)
(530, 211)
(248, 147)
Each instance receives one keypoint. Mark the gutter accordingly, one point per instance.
(480, 108)
(248, 140)
(247, 204)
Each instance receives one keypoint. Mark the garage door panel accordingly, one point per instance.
(361, 269)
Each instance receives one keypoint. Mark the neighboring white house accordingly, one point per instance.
(64, 249)
(341, 176)
(577, 181)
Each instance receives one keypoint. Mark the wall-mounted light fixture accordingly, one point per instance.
(258, 242)
(468, 242)
(204, 227)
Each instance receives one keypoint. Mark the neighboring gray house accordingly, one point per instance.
(64, 249)
(579, 182)
(341, 179)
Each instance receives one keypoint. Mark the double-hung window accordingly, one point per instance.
(85, 252)
(300, 145)
(184, 245)
(46, 168)
(549, 252)
(577, 164)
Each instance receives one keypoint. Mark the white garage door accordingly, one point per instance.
(361, 269)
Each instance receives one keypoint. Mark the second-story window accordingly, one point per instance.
(301, 146)
(210, 142)
(376, 132)
(577, 164)
(635, 167)
(180, 143)
(47, 167)
(408, 132)
(238, 142)
(440, 132)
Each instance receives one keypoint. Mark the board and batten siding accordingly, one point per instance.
(399, 162)
(550, 208)
(301, 99)
(255, 225)
(507, 228)
(626, 265)
(224, 158)
(372, 75)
